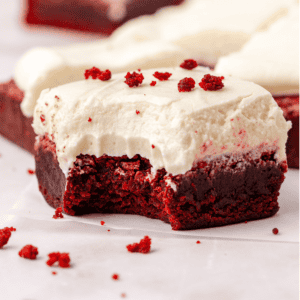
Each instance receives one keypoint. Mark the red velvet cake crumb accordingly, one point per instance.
(123, 295)
(105, 75)
(108, 229)
(134, 79)
(137, 112)
(198, 242)
(102, 222)
(162, 76)
(189, 64)
(211, 83)
(142, 247)
(186, 84)
(90, 120)
(63, 259)
(153, 83)
(58, 213)
(30, 172)
(115, 276)
(96, 73)
(275, 230)
(153, 146)
(29, 252)
(5, 235)
(54, 273)
(93, 72)
(42, 117)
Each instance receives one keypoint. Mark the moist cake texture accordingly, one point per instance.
(192, 159)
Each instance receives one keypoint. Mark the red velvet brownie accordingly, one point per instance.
(194, 150)
(13, 124)
(86, 15)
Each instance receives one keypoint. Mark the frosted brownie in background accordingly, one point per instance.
(271, 59)
(102, 16)
(194, 151)
(200, 29)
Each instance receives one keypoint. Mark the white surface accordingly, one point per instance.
(177, 268)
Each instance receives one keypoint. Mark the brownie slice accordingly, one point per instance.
(218, 190)
(13, 124)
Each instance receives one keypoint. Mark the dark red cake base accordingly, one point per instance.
(13, 124)
(87, 15)
(224, 190)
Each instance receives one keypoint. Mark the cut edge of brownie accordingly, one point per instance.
(217, 191)
(13, 124)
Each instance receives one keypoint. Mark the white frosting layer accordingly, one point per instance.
(200, 29)
(271, 58)
(182, 126)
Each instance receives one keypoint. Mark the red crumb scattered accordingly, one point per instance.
(275, 230)
(5, 234)
(153, 83)
(162, 76)
(196, 131)
(115, 276)
(198, 242)
(143, 246)
(90, 120)
(108, 229)
(54, 273)
(137, 112)
(186, 84)
(63, 259)
(189, 64)
(46, 103)
(96, 73)
(211, 83)
(56, 97)
(102, 222)
(123, 295)
(134, 79)
(58, 213)
(42, 117)
(31, 172)
(29, 252)
(246, 222)
(139, 70)
(153, 146)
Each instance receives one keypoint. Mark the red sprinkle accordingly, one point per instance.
(115, 276)
(162, 76)
(89, 120)
(137, 112)
(189, 64)
(31, 172)
(186, 84)
(5, 234)
(211, 83)
(29, 252)
(275, 230)
(198, 242)
(143, 246)
(58, 213)
(102, 222)
(63, 259)
(153, 83)
(134, 79)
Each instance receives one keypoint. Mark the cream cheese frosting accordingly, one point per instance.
(270, 58)
(170, 128)
(199, 29)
